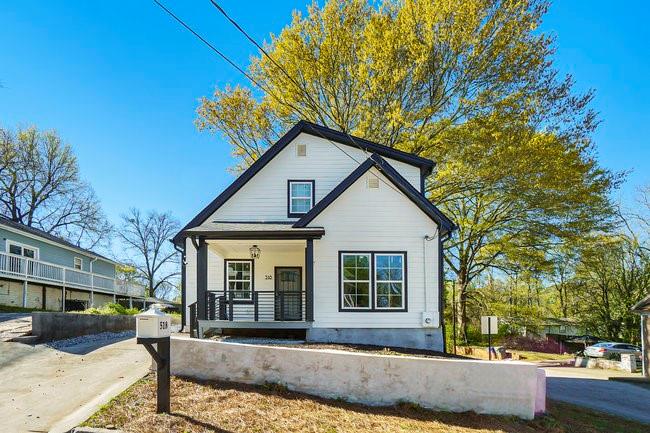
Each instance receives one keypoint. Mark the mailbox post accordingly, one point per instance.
(154, 327)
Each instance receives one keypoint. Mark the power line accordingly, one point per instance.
(300, 87)
(268, 91)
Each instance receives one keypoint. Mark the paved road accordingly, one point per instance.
(590, 388)
(43, 389)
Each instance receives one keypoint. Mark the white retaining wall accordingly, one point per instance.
(502, 388)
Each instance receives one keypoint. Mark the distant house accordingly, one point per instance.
(561, 328)
(39, 270)
(327, 236)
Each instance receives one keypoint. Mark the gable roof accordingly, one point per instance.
(49, 237)
(446, 225)
(425, 165)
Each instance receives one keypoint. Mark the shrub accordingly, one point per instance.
(613, 356)
(532, 344)
(112, 309)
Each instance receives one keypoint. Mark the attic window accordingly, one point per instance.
(301, 150)
(373, 182)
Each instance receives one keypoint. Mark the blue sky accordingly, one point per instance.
(120, 82)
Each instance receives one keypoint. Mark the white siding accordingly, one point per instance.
(380, 219)
(264, 197)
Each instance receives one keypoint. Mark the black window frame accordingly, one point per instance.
(226, 288)
(373, 290)
(313, 197)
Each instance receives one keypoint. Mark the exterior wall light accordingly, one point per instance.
(255, 252)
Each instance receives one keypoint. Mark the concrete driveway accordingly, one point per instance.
(47, 390)
(14, 325)
(591, 388)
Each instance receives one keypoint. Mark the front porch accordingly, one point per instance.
(253, 280)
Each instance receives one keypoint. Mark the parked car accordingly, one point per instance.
(603, 349)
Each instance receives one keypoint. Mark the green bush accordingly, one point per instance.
(112, 309)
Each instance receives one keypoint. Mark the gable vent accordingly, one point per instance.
(301, 150)
(373, 182)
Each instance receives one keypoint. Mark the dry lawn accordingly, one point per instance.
(227, 407)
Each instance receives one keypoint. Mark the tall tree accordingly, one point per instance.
(146, 239)
(469, 84)
(40, 187)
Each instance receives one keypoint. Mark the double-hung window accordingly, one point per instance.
(78, 263)
(300, 197)
(355, 270)
(389, 281)
(239, 279)
(372, 281)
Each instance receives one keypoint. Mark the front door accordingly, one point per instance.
(288, 293)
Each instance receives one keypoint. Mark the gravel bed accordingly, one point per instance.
(93, 338)
(257, 340)
(360, 348)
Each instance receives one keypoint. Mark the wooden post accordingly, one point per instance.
(43, 294)
(309, 281)
(202, 279)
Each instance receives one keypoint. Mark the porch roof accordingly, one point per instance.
(254, 230)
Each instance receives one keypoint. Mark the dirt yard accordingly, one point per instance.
(226, 407)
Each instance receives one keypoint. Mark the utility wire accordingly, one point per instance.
(261, 87)
(301, 88)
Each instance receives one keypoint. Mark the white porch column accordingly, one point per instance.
(130, 302)
(92, 298)
(24, 294)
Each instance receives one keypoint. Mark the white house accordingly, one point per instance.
(327, 235)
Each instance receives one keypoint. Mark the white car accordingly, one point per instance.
(603, 349)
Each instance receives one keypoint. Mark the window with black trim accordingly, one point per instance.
(389, 280)
(239, 279)
(300, 197)
(355, 274)
(372, 281)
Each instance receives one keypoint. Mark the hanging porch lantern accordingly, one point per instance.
(255, 252)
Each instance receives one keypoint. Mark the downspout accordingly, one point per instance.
(183, 263)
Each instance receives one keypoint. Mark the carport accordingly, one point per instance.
(643, 308)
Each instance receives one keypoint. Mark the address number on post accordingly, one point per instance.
(164, 325)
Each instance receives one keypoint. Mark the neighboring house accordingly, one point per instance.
(38, 270)
(323, 238)
(561, 328)
(643, 308)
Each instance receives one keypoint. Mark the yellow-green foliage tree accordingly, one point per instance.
(469, 84)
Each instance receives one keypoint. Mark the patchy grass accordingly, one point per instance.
(111, 309)
(480, 352)
(14, 309)
(226, 407)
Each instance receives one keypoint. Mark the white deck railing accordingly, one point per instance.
(36, 270)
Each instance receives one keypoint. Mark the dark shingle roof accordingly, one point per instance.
(45, 235)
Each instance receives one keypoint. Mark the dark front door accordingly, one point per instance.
(288, 293)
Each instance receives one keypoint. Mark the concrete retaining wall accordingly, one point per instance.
(56, 326)
(505, 388)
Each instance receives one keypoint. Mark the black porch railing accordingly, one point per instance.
(258, 305)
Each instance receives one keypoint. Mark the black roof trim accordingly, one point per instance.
(446, 225)
(262, 234)
(426, 165)
(45, 235)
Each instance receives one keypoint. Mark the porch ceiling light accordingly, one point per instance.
(255, 252)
